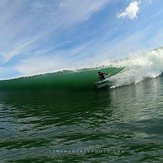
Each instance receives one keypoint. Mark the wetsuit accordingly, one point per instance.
(102, 75)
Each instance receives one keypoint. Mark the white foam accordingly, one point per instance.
(138, 68)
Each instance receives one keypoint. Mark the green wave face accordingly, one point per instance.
(65, 80)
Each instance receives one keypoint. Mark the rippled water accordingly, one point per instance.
(120, 125)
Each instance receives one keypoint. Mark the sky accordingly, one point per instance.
(41, 36)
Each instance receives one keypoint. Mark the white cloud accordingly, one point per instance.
(131, 11)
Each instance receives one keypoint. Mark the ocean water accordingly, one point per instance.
(119, 125)
(45, 120)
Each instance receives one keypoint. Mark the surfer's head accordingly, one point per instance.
(99, 72)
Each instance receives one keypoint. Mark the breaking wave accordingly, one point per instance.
(123, 72)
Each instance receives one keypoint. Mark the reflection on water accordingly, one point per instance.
(126, 122)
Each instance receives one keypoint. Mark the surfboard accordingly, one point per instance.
(103, 83)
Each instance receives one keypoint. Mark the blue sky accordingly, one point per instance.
(39, 36)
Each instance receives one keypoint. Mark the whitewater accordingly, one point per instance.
(139, 68)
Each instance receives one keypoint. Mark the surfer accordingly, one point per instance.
(102, 75)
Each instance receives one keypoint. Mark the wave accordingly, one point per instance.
(83, 79)
(124, 72)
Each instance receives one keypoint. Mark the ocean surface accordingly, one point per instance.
(62, 117)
